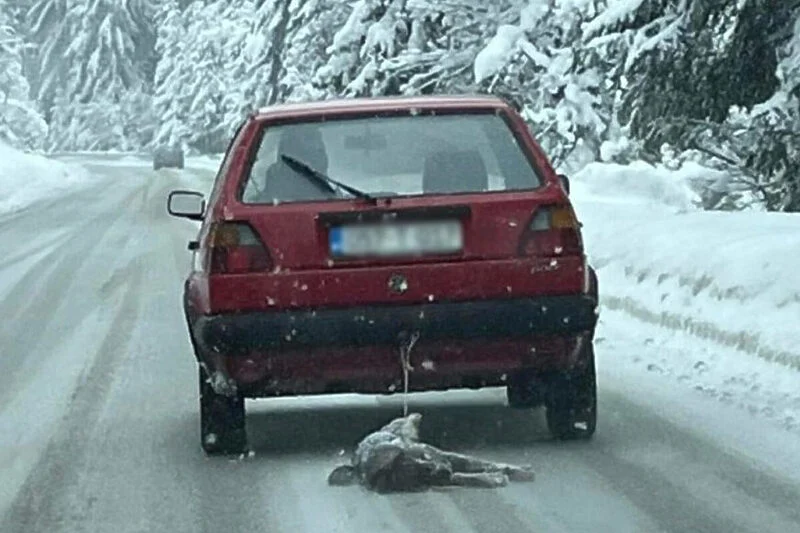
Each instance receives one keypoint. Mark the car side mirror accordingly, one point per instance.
(564, 182)
(186, 204)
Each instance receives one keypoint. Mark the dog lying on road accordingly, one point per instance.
(393, 459)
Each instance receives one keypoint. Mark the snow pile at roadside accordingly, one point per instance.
(726, 278)
(27, 178)
(638, 184)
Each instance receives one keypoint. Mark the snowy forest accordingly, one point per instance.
(712, 82)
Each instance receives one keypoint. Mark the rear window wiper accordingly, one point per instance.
(322, 179)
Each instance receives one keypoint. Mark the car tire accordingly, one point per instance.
(571, 403)
(222, 421)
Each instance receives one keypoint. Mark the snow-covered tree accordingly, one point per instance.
(200, 86)
(219, 60)
(21, 124)
(92, 55)
(562, 88)
(595, 79)
(170, 100)
(759, 147)
(530, 52)
(263, 53)
(410, 47)
(311, 27)
(685, 59)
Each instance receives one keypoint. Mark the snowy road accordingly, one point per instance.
(99, 425)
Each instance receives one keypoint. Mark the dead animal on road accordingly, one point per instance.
(393, 459)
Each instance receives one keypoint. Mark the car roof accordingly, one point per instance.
(379, 104)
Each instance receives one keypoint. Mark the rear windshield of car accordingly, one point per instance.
(388, 156)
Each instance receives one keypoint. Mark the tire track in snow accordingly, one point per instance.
(743, 341)
(460, 510)
(494, 511)
(35, 321)
(42, 504)
(146, 436)
(147, 431)
(53, 210)
(79, 241)
(41, 245)
(31, 313)
(662, 468)
(302, 500)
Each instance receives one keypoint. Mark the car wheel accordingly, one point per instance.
(222, 421)
(571, 403)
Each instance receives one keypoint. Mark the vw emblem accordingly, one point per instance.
(398, 284)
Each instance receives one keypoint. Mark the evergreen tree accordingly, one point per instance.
(759, 147)
(693, 59)
(21, 124)
(311, 27)
(561, 84)
(201, 87)
(401, 47)
(90, 52)
(170, 101)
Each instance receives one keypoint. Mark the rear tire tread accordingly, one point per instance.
(571, 406)
(222, 421)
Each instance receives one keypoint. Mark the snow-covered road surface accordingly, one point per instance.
(99, 424)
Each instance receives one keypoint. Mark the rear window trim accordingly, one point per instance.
(356, 114)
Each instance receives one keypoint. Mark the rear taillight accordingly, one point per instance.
(553, 230)
(234, 248)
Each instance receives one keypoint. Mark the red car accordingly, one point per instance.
(345, 240)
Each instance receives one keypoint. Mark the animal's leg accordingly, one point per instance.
(458, 462)
(481, 480)
(470, 465)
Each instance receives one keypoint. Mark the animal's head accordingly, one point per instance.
(343, 475)
(407, 427)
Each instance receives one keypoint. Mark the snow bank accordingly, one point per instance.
(728, 277)
(641, 356)
(634, 184)
(27, 178)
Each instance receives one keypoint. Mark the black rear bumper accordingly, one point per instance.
(244, 333)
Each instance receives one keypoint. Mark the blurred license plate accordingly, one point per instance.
(397, 239)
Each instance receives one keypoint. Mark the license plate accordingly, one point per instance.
(388, 239)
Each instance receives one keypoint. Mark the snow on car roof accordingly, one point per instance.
(345, 105)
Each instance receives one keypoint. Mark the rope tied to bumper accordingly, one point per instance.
(405, 364)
